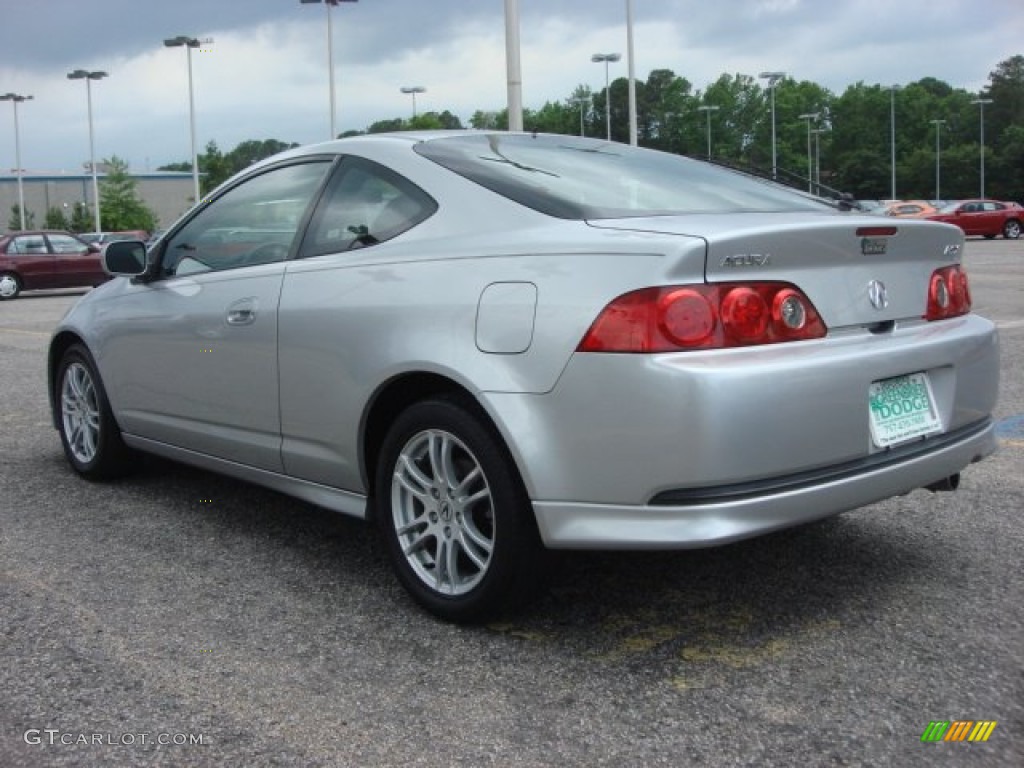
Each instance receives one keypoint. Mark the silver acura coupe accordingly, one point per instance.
(498, 345)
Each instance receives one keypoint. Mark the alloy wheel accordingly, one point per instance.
(80, 412)
(443, 513)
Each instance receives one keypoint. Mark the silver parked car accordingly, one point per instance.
(498, 345)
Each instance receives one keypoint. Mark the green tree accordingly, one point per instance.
(55, 218)
(666, 114)
(81, 218)
(1004, 130)
(387, 126)
(14, 223)
(120, 205)
(734, 125)
(489, 121)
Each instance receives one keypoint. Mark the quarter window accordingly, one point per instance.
(253, 223)
(365, 204)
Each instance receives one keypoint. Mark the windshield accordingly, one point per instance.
(575, 178)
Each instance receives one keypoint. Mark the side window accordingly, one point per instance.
(252, 223)
(365, 204)
(65, 244)
(28, 244)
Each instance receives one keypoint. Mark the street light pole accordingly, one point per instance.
(773, 79)
(981, 105)
(81, 74)
(513, 67)
(892, 137)
(607, 58)
(817, 155)
(330, 56)
(707, 110)
(809, 116)
(630, 58)
(413, 90)
(189, 43)
(938, 154)
(581, 102)
(15, 99)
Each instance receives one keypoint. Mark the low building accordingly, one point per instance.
(167, 193)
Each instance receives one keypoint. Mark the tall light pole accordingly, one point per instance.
(707, 109)
(581, 103)
(809, 116)
(412, 90)
(513, 66)
(189, 43)
(82, 74)
(330, 55)
(607, 58)
(892, 138)
(938, 154)
(817, 155)
(631, 70)
(16, 99)
(772, 78)
(981, 106)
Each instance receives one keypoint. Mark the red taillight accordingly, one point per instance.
(686, 317)
(949, 294)
(703, 317)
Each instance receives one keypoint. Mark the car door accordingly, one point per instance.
(196, 365)
(329, 352)
(34, 261)
(991, 218)
(73, 263)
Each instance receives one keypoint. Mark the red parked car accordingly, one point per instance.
(983, 217)
(43, 259)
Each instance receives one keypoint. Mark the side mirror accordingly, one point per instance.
(125, 258)
(92, 248)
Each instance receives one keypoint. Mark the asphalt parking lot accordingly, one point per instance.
(179, 618)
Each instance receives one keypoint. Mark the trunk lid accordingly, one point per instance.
(856, 270)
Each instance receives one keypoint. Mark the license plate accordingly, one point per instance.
(902, 409)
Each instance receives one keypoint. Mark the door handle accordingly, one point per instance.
(242, 313)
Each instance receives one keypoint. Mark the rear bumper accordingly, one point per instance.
(719, 516)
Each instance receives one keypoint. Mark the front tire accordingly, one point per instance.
(453, 513)
(10, 286)
(90, 436)
(1011, 229)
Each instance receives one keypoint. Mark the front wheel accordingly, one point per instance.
(453, 514)
(10, 286)
(90, 436)
(1011, 229)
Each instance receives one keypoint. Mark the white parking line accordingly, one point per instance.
(24, 333)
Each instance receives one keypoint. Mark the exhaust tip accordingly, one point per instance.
(950, 483)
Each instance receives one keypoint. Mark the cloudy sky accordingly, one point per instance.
(265, 74)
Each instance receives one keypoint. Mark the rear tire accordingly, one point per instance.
(10, 286)
(453, 514)
(1011, 229)
(90, 436)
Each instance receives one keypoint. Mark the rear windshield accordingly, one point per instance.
(575, 178)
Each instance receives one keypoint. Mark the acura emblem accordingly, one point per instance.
(877, 295)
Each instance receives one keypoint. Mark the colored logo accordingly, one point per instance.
(958, 730)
